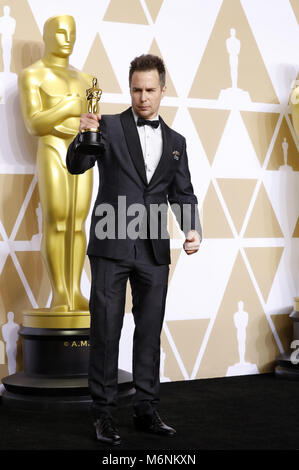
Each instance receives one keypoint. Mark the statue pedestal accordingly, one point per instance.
(55, 362)
(286, 366)
(48, 318)
(242, 368)
(234, 96)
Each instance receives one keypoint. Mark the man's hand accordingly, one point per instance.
(89, 121)
(192, 242)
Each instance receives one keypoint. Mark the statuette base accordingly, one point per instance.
(90, 142)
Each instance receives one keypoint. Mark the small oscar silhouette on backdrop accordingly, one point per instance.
(242, 367)
(234, 94)
(7, 31)
(10, 334)
(285, 166)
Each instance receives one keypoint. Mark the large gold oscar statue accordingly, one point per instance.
(53, 97)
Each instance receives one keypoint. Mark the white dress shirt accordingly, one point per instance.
(151, 144)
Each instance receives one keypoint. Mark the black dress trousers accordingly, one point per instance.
(149, 282)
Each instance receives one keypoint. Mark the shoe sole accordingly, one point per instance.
(149, 431)
(107, 441)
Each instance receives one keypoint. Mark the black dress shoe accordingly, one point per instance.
(106, 431)
(153, 424)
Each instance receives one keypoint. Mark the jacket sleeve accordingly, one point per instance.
(76, 162)
(182, 199)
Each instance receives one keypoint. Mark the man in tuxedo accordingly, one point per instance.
(144, 162)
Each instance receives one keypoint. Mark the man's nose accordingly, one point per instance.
(143, 96)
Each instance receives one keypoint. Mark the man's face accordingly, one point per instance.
(146, 93)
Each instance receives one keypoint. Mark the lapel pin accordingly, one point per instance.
(176, 154)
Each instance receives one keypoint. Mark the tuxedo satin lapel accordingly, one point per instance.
(133, 142)
(166, 152)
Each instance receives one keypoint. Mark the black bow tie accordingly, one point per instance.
(147, 122)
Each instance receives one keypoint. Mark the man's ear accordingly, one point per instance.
(163, 90)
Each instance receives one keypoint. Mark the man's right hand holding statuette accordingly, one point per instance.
(89, 121)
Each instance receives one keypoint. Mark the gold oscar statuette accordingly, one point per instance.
(93, 96)
(90, 139)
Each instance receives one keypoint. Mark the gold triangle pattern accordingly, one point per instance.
(210, 124)
(264, 262)
(263, 222)
(296, 230)
(112, 108)
(254, 122)
(295, 6)
(213, 74)
(13, 189)
(284, 150)
(125, 11)
(245, 332)
(35, 273)
(13, 295)
(154, 7)
(170, 89)
(237, 194)
(29, 225)
(168, 113)
(215, 222)
(98, 64)
(284, 328)
(194, 330)
(169, 367)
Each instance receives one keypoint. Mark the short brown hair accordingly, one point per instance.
(148, 62)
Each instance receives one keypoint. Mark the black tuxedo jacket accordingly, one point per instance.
(122, 173)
